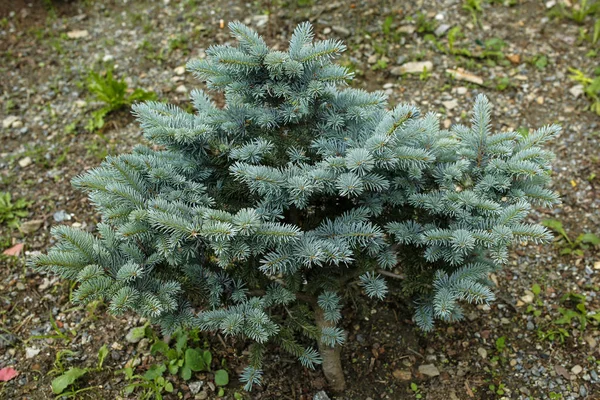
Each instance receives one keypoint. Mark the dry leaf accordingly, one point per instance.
(15, 250)
(6, 374)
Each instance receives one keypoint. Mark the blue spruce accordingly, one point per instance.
(255, 219)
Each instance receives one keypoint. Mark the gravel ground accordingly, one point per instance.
(499, 351)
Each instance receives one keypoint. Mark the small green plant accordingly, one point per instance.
(99, 147)
(575, 247)
(69, 377)
(182, 359)
(596, 32)
(489, 50)
(179, 360)
(503, 83)
(539, 61)
(578, 11)
(501, 344)
(114, 94)
(11, 213)
(499, 390)
(453, 35)
(576, 310)
(425, 24)
(591, 87)
(179, 43)
(59, 367)
(492, 52)
(533, 308)
(475, 8)
(553, 334)
(573, 310)
(221, 378)
(381, 64)
(152, 382)
(500, 349)
(425, 74)
(415, 389)
(386, 27)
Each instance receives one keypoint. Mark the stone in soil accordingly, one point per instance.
(136, 334)
(31, 352)
(25, 162)
(7, 340)
(450, 104)
(576, 91)
(195, 386)
(340, 30)
(528, 297)
(321, 396)
(402, 375)
(429, 370)
(77, 34)
(9, 121)
(202, 395)
(61, 216)
(577, 369)
(462, 75)
(31, 226)
(441, 30)
(482, 352)
(415, 67)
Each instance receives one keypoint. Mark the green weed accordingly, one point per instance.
(575, 247)
(575, 310)
(499, 390)
(305, 3)
(503, 83)
(416, 391)
(559, 334)
(114, 94)
(179, 42)
(578, 11)
(425, 74)
(11, 213)
(591, 87)
(69, 377)
(181, 360)
(539, 61)
(386, 27)
(424, 24)
(381, 64)
(501, 344)
(474, 7)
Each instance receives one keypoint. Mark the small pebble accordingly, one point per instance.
(530, 326)
(25, 162)
(482, 352)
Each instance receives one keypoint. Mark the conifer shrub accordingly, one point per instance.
(256, 219)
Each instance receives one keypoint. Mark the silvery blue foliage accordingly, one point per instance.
(244, 219)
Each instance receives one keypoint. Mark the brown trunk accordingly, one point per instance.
(332, 363)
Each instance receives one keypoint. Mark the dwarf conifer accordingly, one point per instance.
(255, 219)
